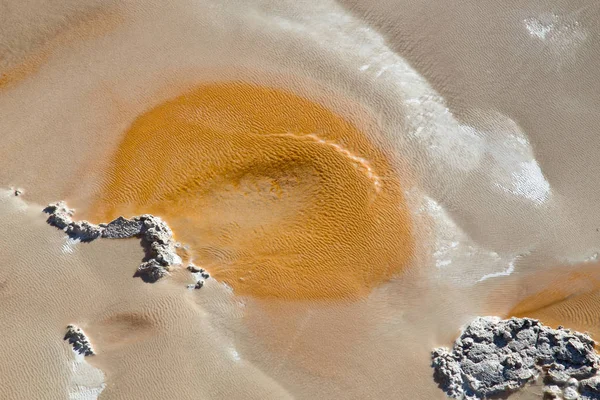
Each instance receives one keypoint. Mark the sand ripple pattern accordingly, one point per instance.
(276, 195)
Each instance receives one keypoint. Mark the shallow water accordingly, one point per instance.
(477, 121)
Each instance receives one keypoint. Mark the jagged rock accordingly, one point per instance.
(60, 215)
(79, 340)
(194, 269)
(155, 235)
(84, 231)
(198, 285)
(164, 253)
(552, 392)
(590, 388)
(122, 228)
(571, 393)
(151, 271)
(156, 230)
(198, 273)
(494, 357)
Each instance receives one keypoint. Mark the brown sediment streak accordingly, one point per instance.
(80, 27)
(276, 195)
(571, 300)
(20, 72)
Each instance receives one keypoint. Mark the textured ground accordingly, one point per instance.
(476, 120)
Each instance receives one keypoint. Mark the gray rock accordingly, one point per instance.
(157, 238)
(60, 215)
(194, 269)
(156, 230)
(84, 231)
(571, 394)
(199, 284)
(552, 392)
(155, 235)
(122, 228)
(495, 357)
(590, 388)
(79, 340)
(151, 271)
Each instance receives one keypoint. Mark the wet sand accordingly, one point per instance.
(477, 121)
(563, 296)
(273, 194)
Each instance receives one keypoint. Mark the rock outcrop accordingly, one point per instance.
(79, 341)
(200, 274)
(155, 235)
(493, 357)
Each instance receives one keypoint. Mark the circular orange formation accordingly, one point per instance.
(276, 195)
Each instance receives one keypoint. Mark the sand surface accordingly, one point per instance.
(378, 174)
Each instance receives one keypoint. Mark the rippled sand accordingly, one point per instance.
(564, 296)
(275, 195)
(360, 178)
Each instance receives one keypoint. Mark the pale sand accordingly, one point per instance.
(493, 107)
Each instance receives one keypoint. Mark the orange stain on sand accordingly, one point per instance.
(276, 195)
(571, 300)
(20, 72)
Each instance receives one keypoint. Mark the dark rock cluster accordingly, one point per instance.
(79, 341)
(154, 233)
(199, 273)
(493, 357)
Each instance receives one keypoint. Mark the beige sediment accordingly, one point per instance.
(87, 96)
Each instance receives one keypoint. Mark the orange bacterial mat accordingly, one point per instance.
(276, 195)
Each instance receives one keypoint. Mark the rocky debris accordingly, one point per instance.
(199, 273)
(194, 269)
(552, 392)
(122, 228)
(198, 285)
(151, 271)
(60, 215)
(154, 233)
(494, 357)
(84, 231)
(78, 340)
(590, 388)
(16, 191)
